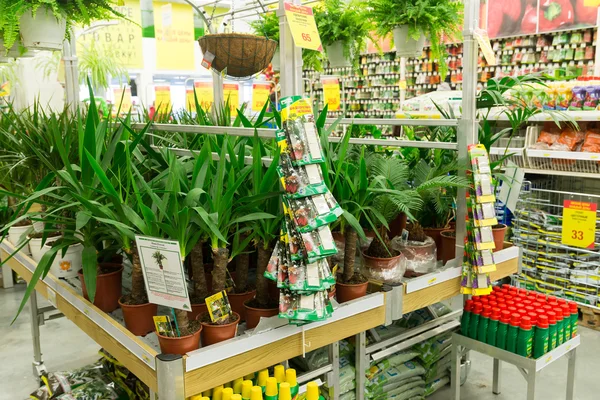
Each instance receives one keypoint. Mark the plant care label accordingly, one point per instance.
(579, 224)
(301, 21)
(163, 272)
(218, 306)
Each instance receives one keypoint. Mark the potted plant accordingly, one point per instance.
(45, 24)
(100, 64)
(344, 29)
(412, 22)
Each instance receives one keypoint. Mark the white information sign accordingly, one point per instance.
(163, 272)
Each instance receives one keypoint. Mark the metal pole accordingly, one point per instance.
(333, 378)
(362, 363)
(38, 362)
(71, 73)
(290, 57)
(169, 373)
(572, 356)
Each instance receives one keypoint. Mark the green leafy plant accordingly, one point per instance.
(75, 12)
(344, 22)
(99, 64)
(436, 19)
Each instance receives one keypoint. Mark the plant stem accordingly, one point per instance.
(351, 237)
(138, 289)
(199, 277)
(220, 256)
(242, 263)
(182, 321)
(262, 286)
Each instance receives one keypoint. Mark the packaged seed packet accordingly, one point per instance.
(302, 141)
(273, 265)
(300, 181)
(311, 277)
(310, 213)
(304, 307)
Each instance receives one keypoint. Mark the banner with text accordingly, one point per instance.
(174, 27)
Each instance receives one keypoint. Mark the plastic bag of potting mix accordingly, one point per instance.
(404, 391)
(383, 391)
(440, 367)
(301, 181)
(430, 350)
(436, 385)
(409, 394)
(299, 137)
(401, 372)
(392, 361)
(310, 213)
(96, 390)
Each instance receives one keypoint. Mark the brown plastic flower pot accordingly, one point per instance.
(138, 318)
(273, 290)
(237, 302)
(253, 315)
(397, 225)
(108, 288)
(448, 250)
(212, 334)
(499, 231)
(379, 264)
(179, 345)
(347, 292)
(436, 235)
(331, 292)
(197, 309)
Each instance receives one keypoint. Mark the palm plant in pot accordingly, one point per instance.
(344, 29)
(45, 24)
(411, 22)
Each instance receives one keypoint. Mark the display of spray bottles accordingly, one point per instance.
(237, 385)
(474, 322)
(484, 320)
(503, 329)
(552, 336)
(466, 317)
(312, 391)
(492, 333)
(256, 393)
(574, 318)
(513, 332)
(541, 337)
(279, 373)
(525, 338)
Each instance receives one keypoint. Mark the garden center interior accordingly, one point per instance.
(318, 199)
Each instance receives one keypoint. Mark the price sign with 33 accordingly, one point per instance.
(579, 224)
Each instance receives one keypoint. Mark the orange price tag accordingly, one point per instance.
(579, 224)
(260, 95)
(162, 100)
(301, 21)
(331, 93)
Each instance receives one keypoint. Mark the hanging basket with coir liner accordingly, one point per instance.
(240, 54)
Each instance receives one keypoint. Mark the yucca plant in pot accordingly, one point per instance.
(413, 21)
(45, 24)
(344, 29)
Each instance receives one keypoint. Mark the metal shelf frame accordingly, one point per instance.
(528, 367)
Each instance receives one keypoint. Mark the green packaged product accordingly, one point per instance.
(474, 322)
(436, 385)
(392, 361)
(560, 330)
(525, 338)
(466, 317)
(566, 321)
(502, 329)
(484, 321)
(513, 332)
(430, 350)
(301, 308)
(492, 333)
(540, 340)
(574, 318)
(310, 213)
(301, 181)
(299, 137)
(552, 334)
(406, 370)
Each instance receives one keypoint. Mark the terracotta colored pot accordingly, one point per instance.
(108, 288)
(179, 345)
(237, 302)
(274, 290)
(346, 292)
(378, 264)
(197, 309)
(499, 232)
(436, 235)
(448, 250)
(397, 225)
(212, 334)
(138, 318)
(331, 292)
(253, 315)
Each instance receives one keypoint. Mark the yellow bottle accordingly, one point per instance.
(246, 389)
(237, 385)
(217, 393)
(312, 391)
(271, 390)
(262, 378)
(279, 373)
(236, 397)
(284, 391)
(290, 377)
(256, 393)
(227, 393)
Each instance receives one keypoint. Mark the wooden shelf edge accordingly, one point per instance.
(90, 320)
(215, 374)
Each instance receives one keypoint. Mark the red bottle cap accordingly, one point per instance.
(477, 307)
(513, 292)
(562, 301)
(468, 305)
(573, 307)
(493, 303)
(508, 297)
(559, 314)
(502, 306)
(553, 303)
(551, 317)
(504, 292)
(495, 314)
(487, 310)
(536, 304)
(484, 300)
(499, 294)
(506, 286)
(476, 298)
(533, 317)
(515, 319)
(529, 308)
(523, 292)
(525, 323)
(547, 307)
(512, 310)
(541, 298)
(518, 299)
(527, 302)
(542, 321)
(510, 303)
(496, 288)
(505, 316)
(566, 310)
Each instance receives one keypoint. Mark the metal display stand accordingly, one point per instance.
(528, 367)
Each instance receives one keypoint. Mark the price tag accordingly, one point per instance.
(260, 95)
(402, 85)
(303, 26)
(331, 93)
(591, 3)
(486, 47)
(579, 224)
(162, 100)
(231, 93)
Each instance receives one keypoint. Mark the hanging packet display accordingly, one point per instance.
(299, 137)
(300, 181)
(310, 213)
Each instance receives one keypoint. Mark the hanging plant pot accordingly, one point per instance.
(138, 317)
(240, 54)
(43, 31)
(213, 333)
(406, 46)
(335, 54)
(108, 287)
(16, 51)
(179, 345)
(276, 61)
